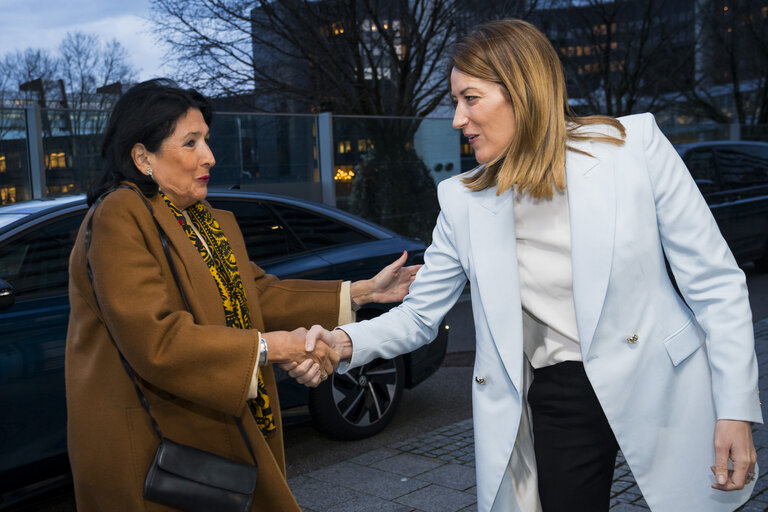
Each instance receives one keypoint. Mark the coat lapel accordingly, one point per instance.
(592, 205)
(494, 254)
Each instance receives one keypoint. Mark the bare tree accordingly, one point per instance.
(70, 76)
(24, 66)
(369, 57)
(731, 83)
(88, 63)
(621, 56)
(68, 80)
(363, 57)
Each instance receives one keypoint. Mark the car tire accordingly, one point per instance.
(360, 402)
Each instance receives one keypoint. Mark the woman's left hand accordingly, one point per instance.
(733, 440)
(389, 285)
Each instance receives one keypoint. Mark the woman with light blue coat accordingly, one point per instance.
(583, 346)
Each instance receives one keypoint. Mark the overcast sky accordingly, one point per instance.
(43, 24)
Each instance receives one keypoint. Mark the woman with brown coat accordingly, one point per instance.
(198, 365)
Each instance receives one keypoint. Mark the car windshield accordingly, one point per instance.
(8, 218)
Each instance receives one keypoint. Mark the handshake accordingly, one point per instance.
(308, 356)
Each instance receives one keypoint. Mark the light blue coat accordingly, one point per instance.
(662, 394)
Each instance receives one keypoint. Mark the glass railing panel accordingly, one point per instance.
(758, 132)
(72, 149)
(684, 134)
(267, 153)
(15, 183)
(386, 169)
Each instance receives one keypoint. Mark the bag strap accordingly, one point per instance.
(126, 365)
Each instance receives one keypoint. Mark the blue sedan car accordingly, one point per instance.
(286, 236)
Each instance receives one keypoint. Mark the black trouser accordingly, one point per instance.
(575, 447)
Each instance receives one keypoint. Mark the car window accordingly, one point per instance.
(743, 166)
(36, 263)
(265, 236)
(701, 164)
(316, 231)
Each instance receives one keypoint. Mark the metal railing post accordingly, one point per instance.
(734, 131)
(35, 151)
(325, 157)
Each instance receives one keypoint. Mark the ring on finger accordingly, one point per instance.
(750, 477)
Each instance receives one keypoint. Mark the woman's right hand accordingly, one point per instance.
(308, 367)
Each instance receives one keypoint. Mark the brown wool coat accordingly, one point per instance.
(194, 370)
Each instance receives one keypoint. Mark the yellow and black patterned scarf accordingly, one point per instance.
(221, 262)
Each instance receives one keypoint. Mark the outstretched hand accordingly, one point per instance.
(391, 284)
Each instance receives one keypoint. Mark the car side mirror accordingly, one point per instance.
(7, 295)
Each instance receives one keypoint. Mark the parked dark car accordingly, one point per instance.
(287, 237)
(733, 178)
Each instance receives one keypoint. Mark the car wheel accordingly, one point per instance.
(359, 403)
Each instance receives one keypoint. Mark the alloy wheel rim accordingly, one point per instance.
(362, 396)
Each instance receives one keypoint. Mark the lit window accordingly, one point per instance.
(345, 146)
(2, 163)
(466, 149)
(364, 145)
(55, 160)
(7, 195)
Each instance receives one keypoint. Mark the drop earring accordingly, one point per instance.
(149, 173)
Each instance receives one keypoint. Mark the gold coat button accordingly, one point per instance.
(480, 380)
(632, 339)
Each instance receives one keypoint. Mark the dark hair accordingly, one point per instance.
(147, 113)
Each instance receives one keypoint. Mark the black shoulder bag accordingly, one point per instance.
(181, 476)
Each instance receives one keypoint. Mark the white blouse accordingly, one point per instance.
(542, 228)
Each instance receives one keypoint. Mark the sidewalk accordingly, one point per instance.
(435, 472)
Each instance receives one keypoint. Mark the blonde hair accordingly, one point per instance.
(517, 56)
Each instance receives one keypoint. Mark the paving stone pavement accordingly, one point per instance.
(434, 472)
